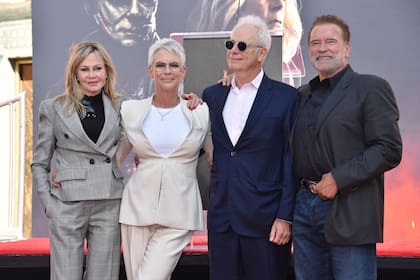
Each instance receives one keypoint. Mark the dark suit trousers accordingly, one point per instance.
(236, 257)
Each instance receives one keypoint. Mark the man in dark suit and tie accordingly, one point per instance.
(252, 186)
(345, 137)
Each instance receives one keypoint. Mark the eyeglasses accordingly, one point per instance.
(242, 46)
(173, 66)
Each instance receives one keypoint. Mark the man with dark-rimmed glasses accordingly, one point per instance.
(252, 187)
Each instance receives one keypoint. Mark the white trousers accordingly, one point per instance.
(152, 252)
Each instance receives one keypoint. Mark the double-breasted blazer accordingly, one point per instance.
(86, 170)
(163, 191)
(357, 133)
(252, 182)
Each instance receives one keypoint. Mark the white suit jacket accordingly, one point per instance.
(161, 190)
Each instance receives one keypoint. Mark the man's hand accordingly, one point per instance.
(193, 100)
(327, 187)
(280, 232)
(226, 79)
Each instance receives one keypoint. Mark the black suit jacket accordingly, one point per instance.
(357, 131)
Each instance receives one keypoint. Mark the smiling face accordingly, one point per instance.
(91, 74)
(270, 10)
(247, 62)
(329, 52)
(167, 71)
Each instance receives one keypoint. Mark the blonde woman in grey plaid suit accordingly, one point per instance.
(81, 127)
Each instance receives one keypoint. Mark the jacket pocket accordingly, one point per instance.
(71, 174)
(117, 173)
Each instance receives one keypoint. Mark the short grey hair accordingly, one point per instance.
(167, 44)
(264, 36)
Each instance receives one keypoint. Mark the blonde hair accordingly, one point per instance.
(292, 30)
(73, 93)
(220, 15)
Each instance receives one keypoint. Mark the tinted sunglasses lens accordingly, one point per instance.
(229, 44)
(241, 46)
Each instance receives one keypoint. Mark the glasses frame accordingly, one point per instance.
(165, 67)
(241, 45)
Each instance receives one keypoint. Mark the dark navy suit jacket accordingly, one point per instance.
(252, 183)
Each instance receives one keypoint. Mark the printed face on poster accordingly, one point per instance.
(127, 34)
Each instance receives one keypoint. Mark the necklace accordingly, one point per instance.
(166, 112)
(162, 115)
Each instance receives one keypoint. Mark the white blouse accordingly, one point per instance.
(166, 129)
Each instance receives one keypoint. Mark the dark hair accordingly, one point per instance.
(325, 19)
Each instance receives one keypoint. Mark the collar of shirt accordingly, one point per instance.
(329, 83)
(238, 105)
(93, 99)
(256, 82)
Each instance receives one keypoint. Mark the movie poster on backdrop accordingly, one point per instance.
(128, 28)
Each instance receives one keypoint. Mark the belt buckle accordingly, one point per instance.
(311, 185)
(312, 188)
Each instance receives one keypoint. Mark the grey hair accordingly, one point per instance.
(264, 36)
(167, 44)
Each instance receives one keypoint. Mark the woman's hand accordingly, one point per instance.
(54, 182)
(193, 100)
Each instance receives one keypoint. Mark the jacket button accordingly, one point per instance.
(233, 153)
(92, 161)
(107, 160)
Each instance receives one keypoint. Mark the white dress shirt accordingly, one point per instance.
(238, 105)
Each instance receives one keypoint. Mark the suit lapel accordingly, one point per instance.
(135, 113)
(220, 104)
(188, 113)
(72, 121)
(262, 99)
(336, 96)
(193, 123)
(111, 120)
(305, 92)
